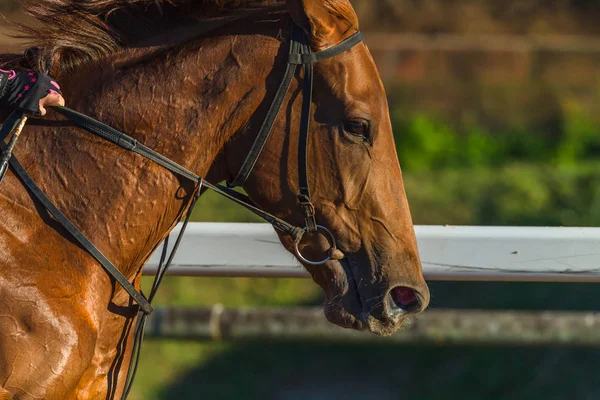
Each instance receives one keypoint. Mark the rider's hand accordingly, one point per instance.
(53, 99)
(29, 91)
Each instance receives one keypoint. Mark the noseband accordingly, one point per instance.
(299, 55)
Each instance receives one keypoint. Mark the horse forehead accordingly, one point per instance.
(354, 77)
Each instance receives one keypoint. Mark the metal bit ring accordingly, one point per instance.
(330, 239)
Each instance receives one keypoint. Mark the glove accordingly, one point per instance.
(24, 90)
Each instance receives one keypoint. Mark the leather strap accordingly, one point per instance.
(9, 124)
(124, 141)
(267, 126)
(311, 58)
(304, 199)
(142, 318)
(294, 232)
(78, 235)
(8, 150)
(299, 54)
(128, 143)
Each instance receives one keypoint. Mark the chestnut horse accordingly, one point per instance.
(193, 80)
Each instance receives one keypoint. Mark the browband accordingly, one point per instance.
(311, 58)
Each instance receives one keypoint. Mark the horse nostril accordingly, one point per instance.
(406, 299)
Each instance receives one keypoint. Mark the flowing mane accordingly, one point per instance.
(73, 32)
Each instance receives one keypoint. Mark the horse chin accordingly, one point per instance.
(383, 328)
(344, 306)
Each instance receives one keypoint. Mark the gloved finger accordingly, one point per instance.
(53, 99)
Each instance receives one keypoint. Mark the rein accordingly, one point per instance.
(300, 55)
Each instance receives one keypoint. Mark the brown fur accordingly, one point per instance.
(198, 100)
(73, 32)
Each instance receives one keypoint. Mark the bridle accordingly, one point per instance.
(299, 55)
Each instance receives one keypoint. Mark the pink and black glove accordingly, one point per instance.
(24, 90)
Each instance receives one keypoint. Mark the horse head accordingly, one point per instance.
(355, 178)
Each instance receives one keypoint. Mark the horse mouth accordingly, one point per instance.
(350, 309)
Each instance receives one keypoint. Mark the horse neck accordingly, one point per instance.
(186, 104)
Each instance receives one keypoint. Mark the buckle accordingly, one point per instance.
(308, 209)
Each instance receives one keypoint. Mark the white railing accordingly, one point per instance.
(447, 253)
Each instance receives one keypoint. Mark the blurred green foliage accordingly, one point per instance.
(425, 142)
(515, 194)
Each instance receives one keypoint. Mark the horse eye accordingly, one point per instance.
(357, 128)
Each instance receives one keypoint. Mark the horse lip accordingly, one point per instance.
(346, 263)
(365, 320)
(362, 319)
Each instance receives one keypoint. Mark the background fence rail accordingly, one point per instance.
(447, 253)
(443, 327)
